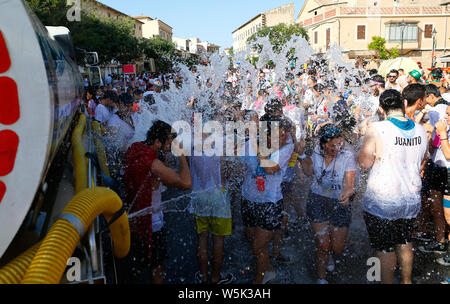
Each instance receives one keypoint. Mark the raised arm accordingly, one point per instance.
(170, 177)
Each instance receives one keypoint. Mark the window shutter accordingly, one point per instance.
(316, 37)
(328, 38)
(428, 31)
(361, 32)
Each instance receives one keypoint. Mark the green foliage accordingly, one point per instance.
(162, 51)
(278, 35)
(379, 43)
(112, 40)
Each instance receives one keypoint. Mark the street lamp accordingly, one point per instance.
(402, 27)
(433, 57)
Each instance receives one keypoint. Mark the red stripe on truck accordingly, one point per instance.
(9, 141)
(5, 61)
(9, 101)
(2, 190)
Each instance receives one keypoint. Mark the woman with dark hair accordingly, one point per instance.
(334, 168)
(90, 102)
(436, 76)
(393, 150)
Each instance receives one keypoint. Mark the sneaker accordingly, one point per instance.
(322, 281)
(421, 236)
(198, 278)
(445, 261)
(227, 279)
(446, 281)
(269, 276)
(331, 264)
(435, 247)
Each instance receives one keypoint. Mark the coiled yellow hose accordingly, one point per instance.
(50, 261)
(14, 271)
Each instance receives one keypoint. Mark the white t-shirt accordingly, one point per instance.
(297, 116)
(330, 183)
(272, 182)
(208, 198)
(157, 215)
(121, 132)
(103, 114)
(438, 156)
(446, 97)
(394, 183)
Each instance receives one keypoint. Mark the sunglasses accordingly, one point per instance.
(391, 76)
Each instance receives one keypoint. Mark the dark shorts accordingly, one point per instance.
(267, 216)
(321, 209)
(385, 234)
(435, 178)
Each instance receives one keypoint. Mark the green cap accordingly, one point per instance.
(416, 74)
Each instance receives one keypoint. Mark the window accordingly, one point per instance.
(393, 32)
(316, 37)
(428, 31)
(328, 38)
(360, 32)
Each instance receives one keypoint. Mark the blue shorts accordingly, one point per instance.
(321, 209)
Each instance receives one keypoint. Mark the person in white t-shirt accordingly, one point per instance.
(120, 131)
(261, 204)
(334, 168)
(105, 110)
(393, 149)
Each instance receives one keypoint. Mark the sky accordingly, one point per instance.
(208, 20)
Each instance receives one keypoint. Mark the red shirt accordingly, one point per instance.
(138, 162)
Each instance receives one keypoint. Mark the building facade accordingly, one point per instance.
(409, 25)
(283, 14)
(103, 11)
(155, 27)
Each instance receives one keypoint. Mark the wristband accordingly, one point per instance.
(303, 156)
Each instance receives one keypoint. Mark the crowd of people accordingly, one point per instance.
(349, 129)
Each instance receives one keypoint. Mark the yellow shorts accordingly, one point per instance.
(217, 225)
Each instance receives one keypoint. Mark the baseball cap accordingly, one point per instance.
(416, 74)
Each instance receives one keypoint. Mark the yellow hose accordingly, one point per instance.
(50, 261)
(79, 155)
(13, 272)
(100, 147)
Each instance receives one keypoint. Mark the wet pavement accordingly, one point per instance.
(351, 267)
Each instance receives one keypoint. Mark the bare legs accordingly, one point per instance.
(405, 256)
(217, 258)
(259, 241)
(327, 238)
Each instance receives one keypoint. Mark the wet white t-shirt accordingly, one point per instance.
(271, 190)
(102, 114)
(394, 182)
(329, 181)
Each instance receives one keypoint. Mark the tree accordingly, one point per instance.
(162, 51)
(379, 43)
(111, 39)
(278, 35)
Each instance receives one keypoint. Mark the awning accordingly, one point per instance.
(444, 59)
